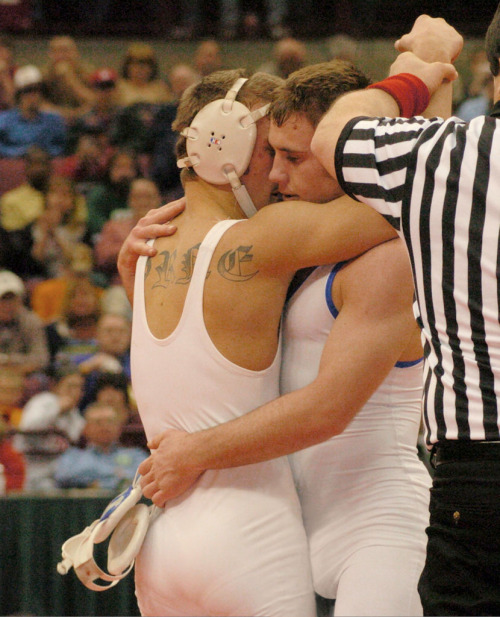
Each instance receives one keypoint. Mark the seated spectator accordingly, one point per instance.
(180, 77)
(23, 344)
(112, 355)
(26, 123)
(115, 389)
(140, 81)
(114, 300)
(144, 125)
(98, 121)
(143, 197)
(112, 193)
(207, 58)
(341, 46)
(56, 410)
(72, 337)
(47, 296)
(60, 228)
(21, 206)
(289, 55)
(67, 79)
(12, 461)
(103, 463)
(87, 166)
(140, 94)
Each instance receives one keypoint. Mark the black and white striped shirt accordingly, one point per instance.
(438, 183)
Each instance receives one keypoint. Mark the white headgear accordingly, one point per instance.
(128, 522)
(220, 143)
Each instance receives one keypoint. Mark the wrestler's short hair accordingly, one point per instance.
(312, 90)
(492, 43)
(260, 88)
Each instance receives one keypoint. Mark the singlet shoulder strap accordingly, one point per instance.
(193, 304)
(194, 297)
(206, 250)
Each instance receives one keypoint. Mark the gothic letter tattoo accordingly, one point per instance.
(229, 266)
(166, 270)
(188, 262)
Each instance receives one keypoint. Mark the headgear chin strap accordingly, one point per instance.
(220, 143)
(128, 524)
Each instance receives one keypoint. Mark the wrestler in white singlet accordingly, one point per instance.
(364, 493)
(234, 544)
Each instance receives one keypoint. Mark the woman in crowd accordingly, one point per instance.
(140, 82)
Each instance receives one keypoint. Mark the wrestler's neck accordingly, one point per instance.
(211, 201)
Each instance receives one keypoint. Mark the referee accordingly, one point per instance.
(438, 182)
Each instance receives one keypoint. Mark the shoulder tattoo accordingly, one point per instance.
(234, 265)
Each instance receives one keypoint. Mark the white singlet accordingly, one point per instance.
(234, 544)
(364, 493)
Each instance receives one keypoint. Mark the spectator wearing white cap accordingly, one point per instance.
(23, 345)
(26, 124)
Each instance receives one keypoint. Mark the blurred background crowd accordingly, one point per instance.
(86, 149)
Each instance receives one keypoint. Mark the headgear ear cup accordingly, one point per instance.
(127, 538)
(127, 522)
(220, 143)
(115, 510)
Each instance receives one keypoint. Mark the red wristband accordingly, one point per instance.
(409, 91)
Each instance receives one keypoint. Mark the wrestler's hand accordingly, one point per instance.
(432, 39)
(155, 224)
(432, 74)
(166, 474)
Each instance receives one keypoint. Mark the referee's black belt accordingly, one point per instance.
(457, 451)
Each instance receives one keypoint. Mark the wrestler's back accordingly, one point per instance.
(234, 544)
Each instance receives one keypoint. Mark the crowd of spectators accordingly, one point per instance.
(84, 153)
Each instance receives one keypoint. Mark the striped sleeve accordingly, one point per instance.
(372, 158)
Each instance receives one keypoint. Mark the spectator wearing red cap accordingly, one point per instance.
(97, 121)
